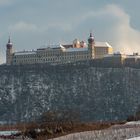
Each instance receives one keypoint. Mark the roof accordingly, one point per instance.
(59, 46)
(102, 44)
(67, 46)
(24, 53)
(132, 56)
(76, 49)
(10, 43)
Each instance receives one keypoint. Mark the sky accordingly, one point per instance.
(34, 23)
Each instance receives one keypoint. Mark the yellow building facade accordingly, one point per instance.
(102, 49)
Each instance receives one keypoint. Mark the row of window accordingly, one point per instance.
(51, 54)
(51, 59)
(55, 57)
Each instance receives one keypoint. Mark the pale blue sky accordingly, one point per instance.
(33, 23)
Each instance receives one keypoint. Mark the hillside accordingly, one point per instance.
(94, 93)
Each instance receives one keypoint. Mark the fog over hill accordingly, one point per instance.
(95, 93)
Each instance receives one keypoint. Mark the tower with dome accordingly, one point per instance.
(9, 52)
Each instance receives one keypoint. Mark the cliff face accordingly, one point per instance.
(96, 93)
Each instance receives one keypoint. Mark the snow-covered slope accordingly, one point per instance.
(108, 134)
(128, 131)
(135, 138)
(95, 93)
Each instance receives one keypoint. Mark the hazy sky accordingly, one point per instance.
(33, 23)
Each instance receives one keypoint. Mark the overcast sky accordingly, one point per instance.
(33, 23)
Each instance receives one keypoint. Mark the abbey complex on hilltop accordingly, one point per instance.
(59, 54)
(99, 52)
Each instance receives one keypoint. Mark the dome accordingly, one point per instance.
(91, 39)
(76, 41)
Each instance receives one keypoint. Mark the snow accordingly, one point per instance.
(135, 138)
(110, 134)
(8, 133)
(133, 123)
(119, 132)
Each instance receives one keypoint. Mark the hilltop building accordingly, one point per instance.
(59, 54)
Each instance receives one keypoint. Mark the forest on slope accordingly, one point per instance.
(95, 93)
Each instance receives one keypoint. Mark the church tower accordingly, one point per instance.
(9, 52)
(91, 44)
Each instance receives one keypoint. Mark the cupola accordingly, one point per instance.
(91, 39)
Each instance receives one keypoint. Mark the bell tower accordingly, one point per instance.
(9, 52)
(91, 44)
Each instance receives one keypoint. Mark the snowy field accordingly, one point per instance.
(129, 131)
